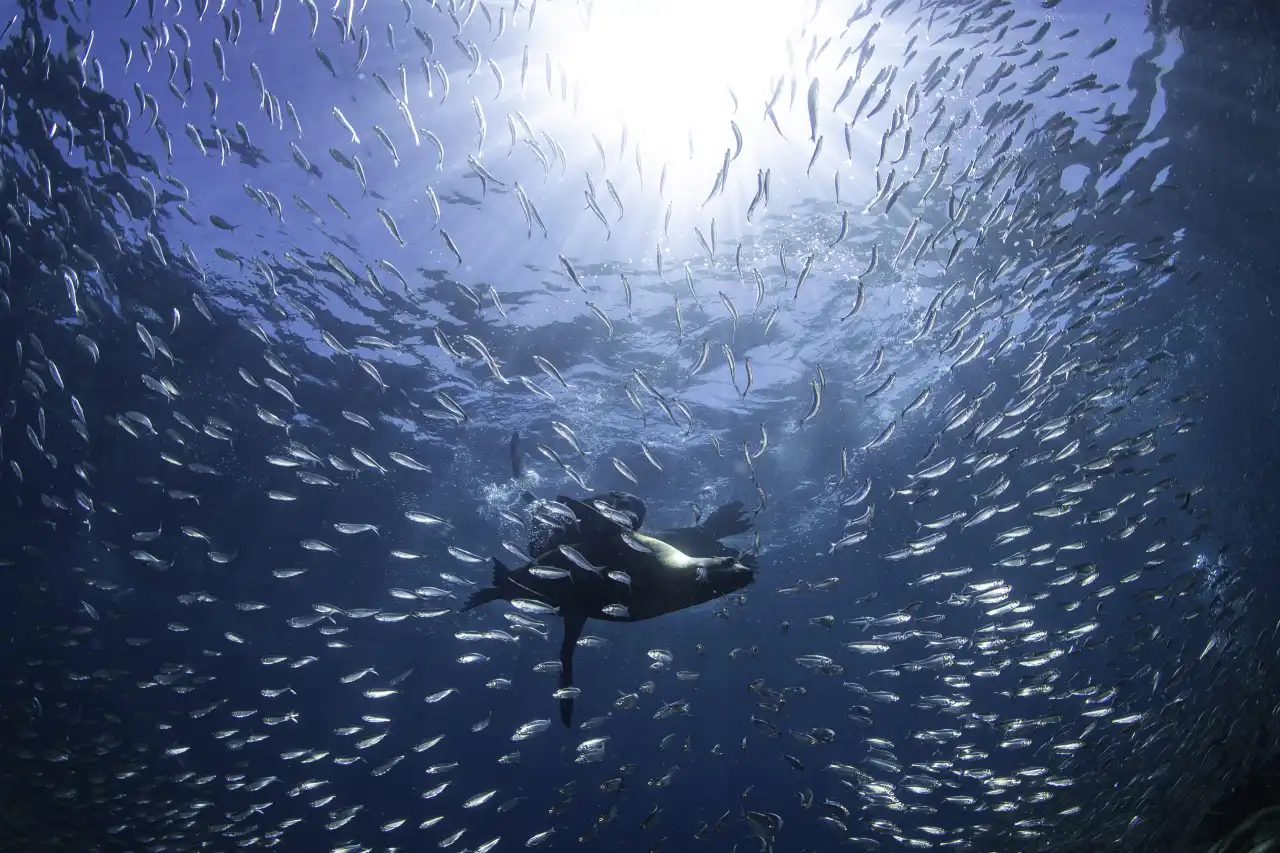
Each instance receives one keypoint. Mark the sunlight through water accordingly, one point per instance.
(670, 69)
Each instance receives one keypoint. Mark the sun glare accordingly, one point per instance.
(667, 67)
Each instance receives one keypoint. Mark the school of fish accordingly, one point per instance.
(253, 453)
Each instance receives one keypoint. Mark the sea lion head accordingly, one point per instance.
(720, 576)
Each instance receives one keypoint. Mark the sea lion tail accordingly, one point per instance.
(491, 593)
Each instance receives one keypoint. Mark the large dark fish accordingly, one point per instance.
(668, 571)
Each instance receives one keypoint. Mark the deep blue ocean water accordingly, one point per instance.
(1088, 278)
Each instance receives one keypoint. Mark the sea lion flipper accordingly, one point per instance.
(518, 469)
(729, 520)
(704, 539)
(490, 593)
(574, 622)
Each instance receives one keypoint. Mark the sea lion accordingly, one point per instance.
(576, 571)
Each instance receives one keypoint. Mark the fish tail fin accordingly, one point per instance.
(491, 593)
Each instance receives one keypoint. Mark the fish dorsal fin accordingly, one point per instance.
(668, 555)
(574, 620)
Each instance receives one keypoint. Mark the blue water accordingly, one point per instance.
(1123, 271)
